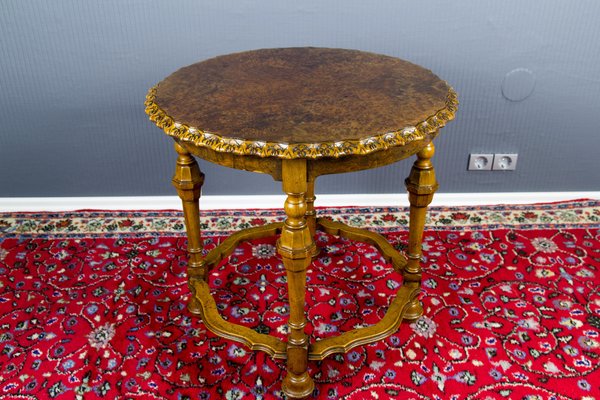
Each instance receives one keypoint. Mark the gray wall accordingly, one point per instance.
(74, 73)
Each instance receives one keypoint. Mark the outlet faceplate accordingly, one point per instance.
(480, 162)
(505, 162)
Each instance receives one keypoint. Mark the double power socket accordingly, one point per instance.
(493, 162)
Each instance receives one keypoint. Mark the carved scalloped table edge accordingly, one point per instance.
(369, 144)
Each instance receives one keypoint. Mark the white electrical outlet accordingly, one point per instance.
(505, 162)
(480, 162)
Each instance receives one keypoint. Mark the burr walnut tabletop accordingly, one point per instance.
(296, 114)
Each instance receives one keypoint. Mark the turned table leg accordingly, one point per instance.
(421, 185)
(188, 181)
(296, 245)
(311, 214)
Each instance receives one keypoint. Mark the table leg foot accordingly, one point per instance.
(421, 185)
(193, 306)
(414, 310)
(298, 386)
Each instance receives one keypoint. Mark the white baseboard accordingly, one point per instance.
(8, 204)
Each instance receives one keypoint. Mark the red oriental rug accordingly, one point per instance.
(93, 306)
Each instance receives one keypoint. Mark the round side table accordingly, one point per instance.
(296, 114)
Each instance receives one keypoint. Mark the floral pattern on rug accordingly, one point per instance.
(510, 312)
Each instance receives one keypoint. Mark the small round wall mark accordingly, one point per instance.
(518, 84)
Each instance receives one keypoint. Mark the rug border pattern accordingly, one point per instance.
(98, 223)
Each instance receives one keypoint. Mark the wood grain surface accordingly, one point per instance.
(301, 95)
